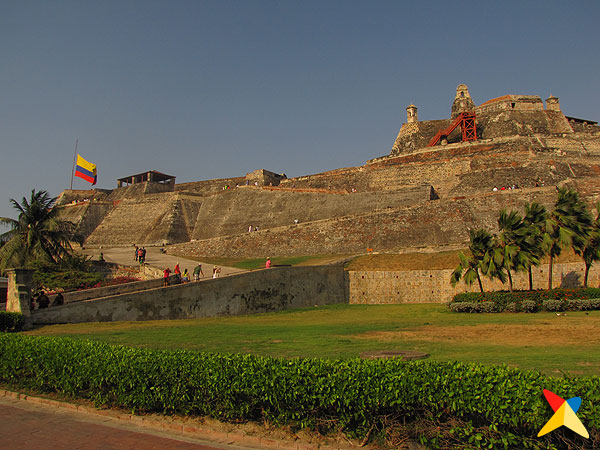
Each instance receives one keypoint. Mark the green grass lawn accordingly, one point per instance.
(553, 344)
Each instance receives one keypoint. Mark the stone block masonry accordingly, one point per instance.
(233, 212)
(426, 286)
(436, 223)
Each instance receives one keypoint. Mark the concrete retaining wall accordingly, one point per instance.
(254, 292)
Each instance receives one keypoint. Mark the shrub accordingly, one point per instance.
(487, 307)
(513, 307)
(116, 280)
(11, 321)
(554, 305)
(353, 395)
(530, 306)
(462, 307)
(66, 280)
(504, 297)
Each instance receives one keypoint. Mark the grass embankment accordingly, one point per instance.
(373, 261)
(553, 344)
(259, 263)
(428, 261)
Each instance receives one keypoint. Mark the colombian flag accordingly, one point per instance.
(86, 170)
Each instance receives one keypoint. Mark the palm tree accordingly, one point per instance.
(37, 234)
(469, 266)
(535, 219)
(591, 249)
(566, 226)
(510, 250)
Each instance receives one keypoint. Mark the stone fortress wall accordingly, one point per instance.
(414, 197)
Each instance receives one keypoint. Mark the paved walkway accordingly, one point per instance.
(30, 426)
(154, 258)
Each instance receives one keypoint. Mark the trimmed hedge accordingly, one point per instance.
(527, 301)
(11, 321)
(529, 306)
(351, 394)
(504, 297)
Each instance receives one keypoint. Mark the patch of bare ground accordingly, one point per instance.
(580, 332)
(427, 261)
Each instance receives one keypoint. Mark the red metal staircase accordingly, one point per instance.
(466, 120)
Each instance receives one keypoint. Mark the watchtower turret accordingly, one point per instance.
(411, 114)
(552, 103)
(462, 102)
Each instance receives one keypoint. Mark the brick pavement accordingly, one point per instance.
(36, 423)
(27, 425)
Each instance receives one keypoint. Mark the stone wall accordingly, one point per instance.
(261, 291)
(422, 286)
(151, 219)
(238, 208)
(209, 187)
(85, 215)
(434, 224)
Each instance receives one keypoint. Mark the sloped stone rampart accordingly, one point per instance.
(236, 210)
(468, 168)
(261, 291)
(437, 223)
(85, 215)
(151, 219)
(424, 286)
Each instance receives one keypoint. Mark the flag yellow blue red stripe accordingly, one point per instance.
(86, 170)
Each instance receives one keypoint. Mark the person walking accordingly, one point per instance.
(268, 263)
(166, 275)
(177, 271)
(197, 272)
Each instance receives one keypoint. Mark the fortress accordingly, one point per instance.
(436, 182)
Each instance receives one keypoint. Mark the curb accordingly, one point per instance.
(179, 427)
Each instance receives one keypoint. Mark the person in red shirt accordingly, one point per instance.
(177, 271)
(268, 264)
(166, 275)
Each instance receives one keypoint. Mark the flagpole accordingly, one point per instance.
(74, 157)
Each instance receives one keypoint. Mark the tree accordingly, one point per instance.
(468, 269)
(590, 252)
(37, 234)
(510, 249)
(535, 219)
(567, 225)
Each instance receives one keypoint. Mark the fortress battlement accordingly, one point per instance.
(424, 193)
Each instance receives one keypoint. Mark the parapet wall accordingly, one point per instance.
(262, 291)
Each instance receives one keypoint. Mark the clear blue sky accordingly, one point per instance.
(211, 89)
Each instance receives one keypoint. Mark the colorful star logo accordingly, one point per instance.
(564, 414)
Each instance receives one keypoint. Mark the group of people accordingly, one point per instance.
(185, 276)
(42, 300)
(505, 188)
(140, 254)
(250, 228)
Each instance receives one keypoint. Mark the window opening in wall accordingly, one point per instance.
(512, 105)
